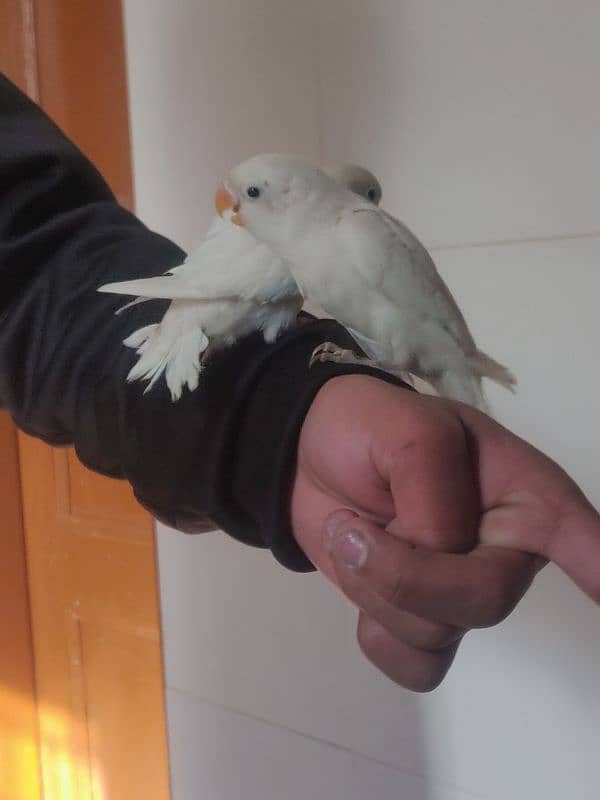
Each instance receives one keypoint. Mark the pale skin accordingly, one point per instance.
(431, 518)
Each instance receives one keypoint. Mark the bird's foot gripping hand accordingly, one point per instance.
(329, 351)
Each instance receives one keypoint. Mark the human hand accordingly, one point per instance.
(473, 510)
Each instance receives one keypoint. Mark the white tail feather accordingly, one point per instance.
(466, 386)
(178, 357)
(140, 337)
(162, 286)
(486, 367)
(183, 366)
(135, 302)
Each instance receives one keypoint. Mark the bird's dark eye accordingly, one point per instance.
(253, 192)
(372, 194)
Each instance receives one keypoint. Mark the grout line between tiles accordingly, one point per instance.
(559, 237)
(319, 740)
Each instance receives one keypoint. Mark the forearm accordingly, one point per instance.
(224, 453)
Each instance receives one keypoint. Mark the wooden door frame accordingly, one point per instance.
(19, 746)
(50, 49)
(19, 742)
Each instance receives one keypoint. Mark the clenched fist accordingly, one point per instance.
(431, 518)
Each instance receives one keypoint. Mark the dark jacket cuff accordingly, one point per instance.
(264, 462)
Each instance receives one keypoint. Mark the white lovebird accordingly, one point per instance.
(365, 269)
(230, 286)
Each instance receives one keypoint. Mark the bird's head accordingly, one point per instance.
(358, 179)
(272, 194)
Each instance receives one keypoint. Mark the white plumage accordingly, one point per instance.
(230, 286)
(367, 270)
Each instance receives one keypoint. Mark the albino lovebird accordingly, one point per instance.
(230, 286)
(365, 269)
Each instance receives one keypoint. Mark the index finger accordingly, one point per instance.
(531, 504)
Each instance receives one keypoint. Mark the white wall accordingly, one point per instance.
(212, 83)
(483, 120)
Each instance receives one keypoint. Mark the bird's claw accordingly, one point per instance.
(329, 351)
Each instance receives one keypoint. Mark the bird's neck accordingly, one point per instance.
(310, 219)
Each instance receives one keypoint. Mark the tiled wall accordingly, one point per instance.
(483, 122)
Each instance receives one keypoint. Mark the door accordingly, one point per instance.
(82, 693)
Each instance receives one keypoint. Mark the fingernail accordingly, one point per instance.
(351, 549)
(333, 523)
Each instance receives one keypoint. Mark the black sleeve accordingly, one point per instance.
(222, 456)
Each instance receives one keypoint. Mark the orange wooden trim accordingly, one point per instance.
(82, 80)
(92, 551)
(19, 763)
(79, 618)
(19, 733)
(17, 44)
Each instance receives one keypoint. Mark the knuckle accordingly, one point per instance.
(370, 637)
(428, 674)
(425, 675)
(445, 540)
(409, 673)
(428, 429)
(496, 602)
(426, 681)
(414, 669)
(434, 636)
(594, 591)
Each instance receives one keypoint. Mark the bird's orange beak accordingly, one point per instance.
(225, 201)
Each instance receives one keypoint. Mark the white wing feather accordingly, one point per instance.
(390, 258)
(398, 274)
(229, 264)
(228, 287)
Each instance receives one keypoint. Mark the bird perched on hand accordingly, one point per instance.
(230, 286)
(364, 268)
